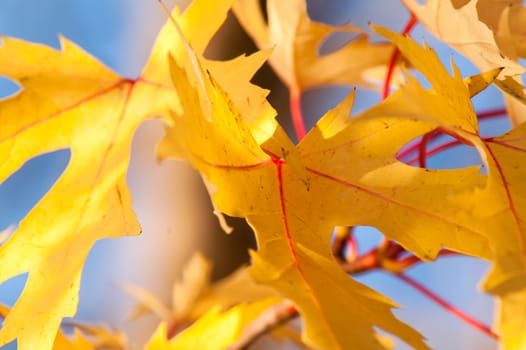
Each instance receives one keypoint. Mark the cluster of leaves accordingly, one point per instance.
(344, 172)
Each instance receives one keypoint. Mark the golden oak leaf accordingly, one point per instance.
(252, 104)
(504, 211)
(214, 330)
(499, 208)
(461, 29)
(92, 114)
(74, 102)
(293, 221)
(494, 207)
(296, 41)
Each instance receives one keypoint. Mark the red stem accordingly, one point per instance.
(297, 115)
(434, 135)
(450, 308)
(352, 247)
(408, 150)
(500, 112)
(422, 146)
(436, 150)
(392, 61)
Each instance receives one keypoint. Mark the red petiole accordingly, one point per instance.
(296, 114)
(450, 308)
(394, 57)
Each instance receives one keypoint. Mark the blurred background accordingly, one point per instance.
(170, 201)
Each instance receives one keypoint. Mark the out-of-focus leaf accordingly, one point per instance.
(296, 41)
(214, 330)
(462, 29)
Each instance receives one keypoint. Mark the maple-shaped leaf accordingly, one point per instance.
(297, 40)
(462, 29)
(293, 218)
(74, 102)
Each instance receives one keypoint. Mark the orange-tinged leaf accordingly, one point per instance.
(296, 41)
(293, 221)
(74, 102)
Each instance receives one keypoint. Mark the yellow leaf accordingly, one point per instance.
(503, 211)
(78, 342)
(496, 204)
(236, 288)
(293, 221)
(74, 102)
(84, 337)
(214, 330)
(495, 207)
(510, 320)
(468, 29)
(479, 82)
(296, 41)
(100, 337)
(462, 30)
